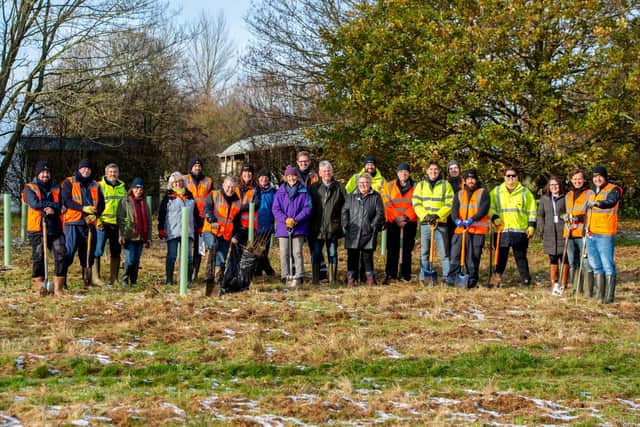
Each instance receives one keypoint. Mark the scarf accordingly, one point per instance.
(292, 191)
(140, 217)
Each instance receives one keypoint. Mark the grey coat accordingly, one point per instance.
(551, 231)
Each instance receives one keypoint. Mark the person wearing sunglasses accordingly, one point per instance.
(513, 213)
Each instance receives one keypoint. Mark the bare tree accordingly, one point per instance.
(209, 55)
(36, 33)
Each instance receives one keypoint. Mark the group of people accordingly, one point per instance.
(452, 214)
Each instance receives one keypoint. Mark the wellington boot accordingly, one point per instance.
(599, 280)
(575, 282)
(134, 273)
(126, 276)
(371, 278)
(58, 285)
(315, 274)
(610, 291)
(114, 266)
(564, 276)
(168, 269)
(553, 274)
(588, 283)
(38, 286)
(96, 280)
(333, 272)
(195, 269)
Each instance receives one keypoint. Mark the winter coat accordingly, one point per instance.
(298, 208)
(326, 212)
(362, 219)
(552, 241)
(126, 220)
(265, 212)
(170, 214)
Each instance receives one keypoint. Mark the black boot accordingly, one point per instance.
(193, 275)
(168, 269)
(126, 276)
(134, 273)
(588, 283)
(315, 274)
(599, 286)
(611, 290)
(189, 275)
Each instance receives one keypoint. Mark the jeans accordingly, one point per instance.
(332, 251)
(442, 240)
(172, 250)
(76, 237)
(574, 255)
(221, 249)
(133, 251)
(109, 232)
(601, 250)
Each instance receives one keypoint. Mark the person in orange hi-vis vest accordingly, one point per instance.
(400, 219)
(42, 197)
(84, 202)
(602, 223)
(469, 211)
(200, 187)
(248, 193)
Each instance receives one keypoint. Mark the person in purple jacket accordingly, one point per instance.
(292, 210)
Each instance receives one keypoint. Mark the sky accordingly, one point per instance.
(234, 11)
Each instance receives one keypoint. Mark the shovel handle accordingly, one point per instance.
(432, 244)
(462, 252)
(497, 248)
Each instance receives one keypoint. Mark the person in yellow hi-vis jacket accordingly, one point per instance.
(513, 213)
(432, 201)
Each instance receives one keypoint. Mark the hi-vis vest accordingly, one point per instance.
(245, 200)
(200, 192)
(438, 200)
(604, 221)
(516, 209)
(396, 204)
(468, 208)
(225, 215)
(112, 196)
(72, 215)
(34, 216)
(576, 207)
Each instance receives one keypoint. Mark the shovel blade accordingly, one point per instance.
(430, 278)
(462, 281)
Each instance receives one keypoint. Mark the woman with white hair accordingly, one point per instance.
(170, 221)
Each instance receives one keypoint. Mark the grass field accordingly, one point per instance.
(390, 355)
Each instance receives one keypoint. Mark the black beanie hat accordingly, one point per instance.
(264, 172)
(194, 161)
(41, 165)
(84, 163)
(369, 159)
(600, 170)
(470, 173)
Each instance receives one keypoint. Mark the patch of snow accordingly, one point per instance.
(392, 352)
(9, 421)
(444, 401)
(103, 359)
(173, 408)
(630, 404)
(19, 363)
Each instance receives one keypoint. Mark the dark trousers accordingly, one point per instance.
(519, 243)
(111, 233)
(56, 252)
(76, 237)
(263, 261)
(354, 256)
(473, 253)
(393, 249)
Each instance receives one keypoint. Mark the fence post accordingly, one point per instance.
(252, 210)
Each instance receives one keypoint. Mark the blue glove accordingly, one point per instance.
(467, 222)
(458, 222)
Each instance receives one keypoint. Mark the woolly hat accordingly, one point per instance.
(452, 163)
(403, 167)
(264, 172)
(137, 182)
(42, 165)
(84, 163)
(470, 173)
(195, 160)
(290, 170)
(248, 167)
(369, 159)
(600, 170)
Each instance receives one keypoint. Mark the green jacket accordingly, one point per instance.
(126, 224)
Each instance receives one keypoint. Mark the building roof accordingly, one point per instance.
(290, 138)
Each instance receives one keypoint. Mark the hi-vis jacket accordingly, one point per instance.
(112, 196)
(473, 205)
(576, 203)
(377, 181)
(604, 219)
(218, 210)
(517, 209)
(200, 191)
(437, 200)
(36, 200)
(397, 204)
(75, 196)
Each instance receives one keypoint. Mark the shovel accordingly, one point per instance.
(46, 287)
(290, 280)
(430, 275)
(462, 279)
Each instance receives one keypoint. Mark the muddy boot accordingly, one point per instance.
(168, 271)
(351, 278)
(39, 287)
(58, 284)
(96, 280)
(189, 275)
(371, 278)
(126, 276)
(86, 277)
(113, 270)
(599, 280)
(315, 274)
(588, 284)
(575, 283)
(610, 291)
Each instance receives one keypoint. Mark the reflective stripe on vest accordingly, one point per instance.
(246, 199)
(225, 215)
(469, 208)
(576, 207)
(515, 211)
(112, 196)
(34, 216)
(395, 204)
(72, 215)
(433, 208)
(200, 192)
(604, 221)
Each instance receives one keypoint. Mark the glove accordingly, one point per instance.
(89, 210)
(458, 222)
(400, 220)
(593, 204)
(432, 219)
(162, 234)
(467, 222)
(234, 240)
(91, 218)
(498, 222)
(565, 217)
(290, 222)
(530, 232)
